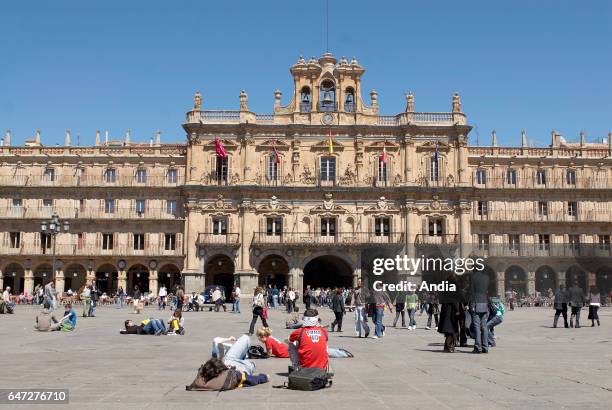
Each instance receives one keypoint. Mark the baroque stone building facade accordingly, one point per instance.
(298, 194)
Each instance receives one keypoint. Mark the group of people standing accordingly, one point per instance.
(575, 298)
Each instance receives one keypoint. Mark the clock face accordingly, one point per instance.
(328, 119)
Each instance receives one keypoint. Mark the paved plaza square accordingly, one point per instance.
(533, 366)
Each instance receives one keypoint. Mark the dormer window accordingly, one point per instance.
(305, 100)
(349, 102)
(328, 96)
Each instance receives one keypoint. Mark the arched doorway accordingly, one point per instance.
(603, 280)
(273, 270)
(169, 276)
(14, 277)
(516, 280)
(327, 271)
(492, 281)
(43, 274)
(545, 282)
(575, 274)
(75, 277)
(137, 275)
(107, 279)
(220, 271)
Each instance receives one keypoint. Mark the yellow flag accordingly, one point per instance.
(330, 143)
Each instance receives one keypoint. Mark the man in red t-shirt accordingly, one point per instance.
(308, 345)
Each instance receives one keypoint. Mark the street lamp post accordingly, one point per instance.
(52, 228)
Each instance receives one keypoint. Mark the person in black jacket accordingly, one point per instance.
(95, 296)
(338, 309)
(577, 300)
(479, 309)
(449, 316)
(561, 300)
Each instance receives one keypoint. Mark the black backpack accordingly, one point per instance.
(308, 379)
(257, 352)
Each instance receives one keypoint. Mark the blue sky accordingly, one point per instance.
(533, 64)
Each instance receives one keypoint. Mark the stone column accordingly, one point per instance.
(153, 282)
(90, 277)
(122, 280)
(561, 279)
(465, 234)
(1, 281)
(296, 279)
(591, 280)
(531, 283)
(28, 281)
(59, 281)
(501, 284)
(412, 224)
(356, 275)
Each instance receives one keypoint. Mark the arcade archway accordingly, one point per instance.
(603, 280)
(107, 279)
(220, 271)
(138, 275)
(545, 282)
(327, 271)
(75, 277)
(516, 280)
(43, 274)
(13, 276)
(169, 276)
(273, 270)
(575, 274)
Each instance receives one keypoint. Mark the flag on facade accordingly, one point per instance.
(383, 156)
(219, 148)
(275, 152)
(330, 143)
(436, 153)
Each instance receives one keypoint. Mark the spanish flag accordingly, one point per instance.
(330, 143)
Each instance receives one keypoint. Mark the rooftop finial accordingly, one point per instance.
(97, 138)
(609, 141)
(38, 136)
(128, 136)
(494, 138)
(409, 102)
(7, 138)
(67, 140)
(277, 98)
(523, 138)
(456, 103)
(582, 139)
(158, 138)
(244, 100)
(197, 101)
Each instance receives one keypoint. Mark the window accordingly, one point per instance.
(109, 206)
(221, 170)
(511, 177)
(274, 226)
(171, 207)
(434, 169)
(80, 240)
(483, 241)
(542, 208)
(481, 176)
(49, 175)
(139, 239)
(47, 203)
(574, 242)
(328, 168)
(435, 227)
(272, 173)
(604, 242)
(572, 208)
(140, 207)
(570, 177)
(544, 242)
(141, 176)
(219, 226)
(110, 176)
(305, 101)
(172, 176)
(81, 205)
(15, 238)
(45, 242)
(382, 170)
(541, 177)
(514, 242)
(381, 226)
(170, 241)
(17, 203)
(107, 241)
(483, 208)
(328, 226)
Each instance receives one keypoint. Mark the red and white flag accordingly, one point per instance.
(219, 148)
(275, 152)
(383, 156)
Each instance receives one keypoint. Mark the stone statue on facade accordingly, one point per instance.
(197, 101)
(456, 103)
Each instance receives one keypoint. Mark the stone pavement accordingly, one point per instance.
(534, 366)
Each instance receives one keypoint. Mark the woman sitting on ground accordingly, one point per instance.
(214, 375)
(176, 323)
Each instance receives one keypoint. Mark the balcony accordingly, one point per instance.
(544, 250)
(86, 213)
(89, 181)
(551, 183)
(341, 239)
(62, 249)
(524, 215)
(212, 240)
(447, 240)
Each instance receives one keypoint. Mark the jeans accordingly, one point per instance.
(257, 312)
(479, 319)
(92, 308)
(361, 320)
(275, 299)
(162, 303)
(120, 302)
(411, 313)
(397, 315)
(236, 307)
(379, 313)
(560, 310)
(236, 355)
(154, 326)
(575, 313)
(429, 316)
(494, 321)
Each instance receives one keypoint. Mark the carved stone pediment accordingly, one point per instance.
(328, 206)
(227, 144)
(435, 205)
(431, 145)
(274, 205)
(382, 205)
(220, 204)
(270, 144)
(324, 145)
(379, 145)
